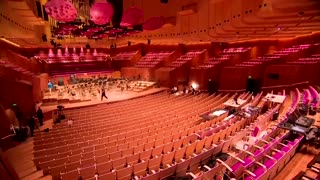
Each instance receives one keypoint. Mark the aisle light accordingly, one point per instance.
(195, 85)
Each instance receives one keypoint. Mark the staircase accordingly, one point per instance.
(21, 159)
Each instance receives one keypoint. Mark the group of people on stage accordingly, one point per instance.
(73, 93)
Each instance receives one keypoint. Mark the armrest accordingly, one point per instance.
(315, 169)
(283, 145)
(250, 153)
(257, 146)
(233, 156)
(270, 157)
(276, 150)
(264, 141)
(288, 141)
(262, 165)
(250, 173)
(207, 167)
(192, 175)
(225, 165)
(214, 145)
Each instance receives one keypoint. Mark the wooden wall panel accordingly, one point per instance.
(233, 78)
(288, 74)
(17, 93)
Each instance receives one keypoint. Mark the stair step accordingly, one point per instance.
(33, 176)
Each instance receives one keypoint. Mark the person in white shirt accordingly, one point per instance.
(37, 106)
(70, 122)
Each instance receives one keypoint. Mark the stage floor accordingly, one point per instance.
(113, 96)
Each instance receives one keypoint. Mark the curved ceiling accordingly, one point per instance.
(190, 21)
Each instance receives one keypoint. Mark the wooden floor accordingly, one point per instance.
(113, 96)
(21, 158)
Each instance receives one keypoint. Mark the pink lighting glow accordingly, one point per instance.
(131, 16)
(81, 52)
(66, 51)
(61, 10)
(59, 52)
(101, 13)
(50, 52)
(154, 23)
(95, 52)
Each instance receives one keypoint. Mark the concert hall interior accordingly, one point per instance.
(160, 89)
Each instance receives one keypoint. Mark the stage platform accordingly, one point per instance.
(113, 96)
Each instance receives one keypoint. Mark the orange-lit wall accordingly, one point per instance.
(13, 92)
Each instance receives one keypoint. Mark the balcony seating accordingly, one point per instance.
(225, 55)
(276, 56)
(152, 59)
(189, 56)
(125, 56)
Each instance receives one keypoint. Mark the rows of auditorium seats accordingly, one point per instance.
(153, 59)
(165, 138)
(224, 56)
(67, 57)
(189, 56)
(196, 164)
(114, 147)
(314, 59)
(276, 57)
(263, 160)
(125, 55)
(293, 49)
(312, 171)
(15, 67)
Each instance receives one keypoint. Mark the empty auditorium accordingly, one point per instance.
(160, 89)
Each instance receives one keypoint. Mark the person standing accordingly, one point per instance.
(70, 122)
(32, 124)
(37, 105)
(40, 116)
(103, 94)
(235, 98)
(50, 86)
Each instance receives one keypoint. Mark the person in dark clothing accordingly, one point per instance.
(235, 99)
(103, 94)
(32, 124)
(40, 116)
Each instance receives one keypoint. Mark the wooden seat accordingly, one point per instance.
(140, 169)
(108, 176)
(70, 175)
(87, 172)
(119, 163)
(102, 159)
(56, 171)
(133, 159)
(105, 167)
(154, 164)
(125, 173)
